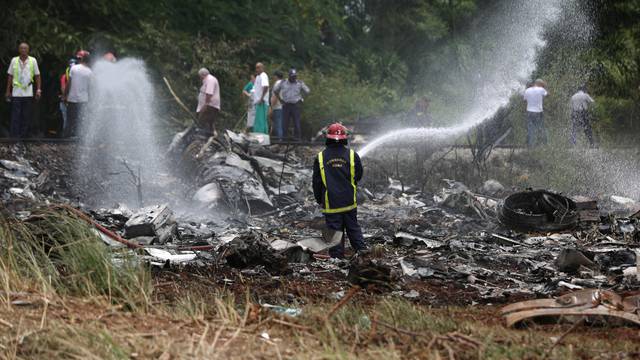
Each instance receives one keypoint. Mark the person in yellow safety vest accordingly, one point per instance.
(23, 72)
(336, 173)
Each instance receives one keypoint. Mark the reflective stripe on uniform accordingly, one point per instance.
(352, 169)
(16, 72)
(324, 181)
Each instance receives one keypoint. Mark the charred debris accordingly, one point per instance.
(250, 210)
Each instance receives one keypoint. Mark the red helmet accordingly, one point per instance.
(82, 53)
(337, 131)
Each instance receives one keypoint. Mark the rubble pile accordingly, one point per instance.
(256, 216)
(235, 172)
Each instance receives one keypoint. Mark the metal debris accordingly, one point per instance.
(538, 210)
(155, 222)
(595, 305)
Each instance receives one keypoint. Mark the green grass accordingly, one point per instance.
(55, 253)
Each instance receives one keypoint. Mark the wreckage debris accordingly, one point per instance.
(364, 271)
(538, 210)
(252, 249)
(233, 172)
(439, 239)
(492, 187)
(151, 225)
(595, 305)
(571, 260)
(407, 239)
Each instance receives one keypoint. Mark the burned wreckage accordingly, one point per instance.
(486, 245)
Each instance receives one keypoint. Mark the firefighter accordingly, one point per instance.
(336, 172)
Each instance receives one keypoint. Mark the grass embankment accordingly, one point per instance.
(61, 296)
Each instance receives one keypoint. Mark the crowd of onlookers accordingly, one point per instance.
(270, 109)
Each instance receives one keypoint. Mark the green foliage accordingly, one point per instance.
(361, 57)
(341, 97)
(59, 253)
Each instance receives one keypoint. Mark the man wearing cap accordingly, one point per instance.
(336, 173)
(291, 93)
(534, 96)
(23, 72)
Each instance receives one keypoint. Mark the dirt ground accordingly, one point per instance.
(195, 316)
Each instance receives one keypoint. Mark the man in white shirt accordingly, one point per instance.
(261, 100)
(77, 92)
(276, 107)
(208, 101)
(534, 96)
(580, 104)
(22, 73)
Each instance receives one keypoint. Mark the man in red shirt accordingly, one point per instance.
(64, 80)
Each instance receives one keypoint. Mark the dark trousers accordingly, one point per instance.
(345, 221)
(536, 131)
(75, 114)
(277, 123)
(580, 120)
(291, 112)
(207, 118)
(21, 113)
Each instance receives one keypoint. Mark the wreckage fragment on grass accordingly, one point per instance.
(592, 304)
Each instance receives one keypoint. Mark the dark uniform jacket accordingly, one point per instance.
(338, 176)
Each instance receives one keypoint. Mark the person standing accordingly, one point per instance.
(208, 101)
(64, 80)
(420, 116)
(22, 73)
(248, 91)
(261, 100)
(291, 93)
(534, 96)
(108, 56)
(77, 92)
(336, 173)
(580, 104)
(276, 107)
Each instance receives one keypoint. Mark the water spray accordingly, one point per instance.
(514, 34)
